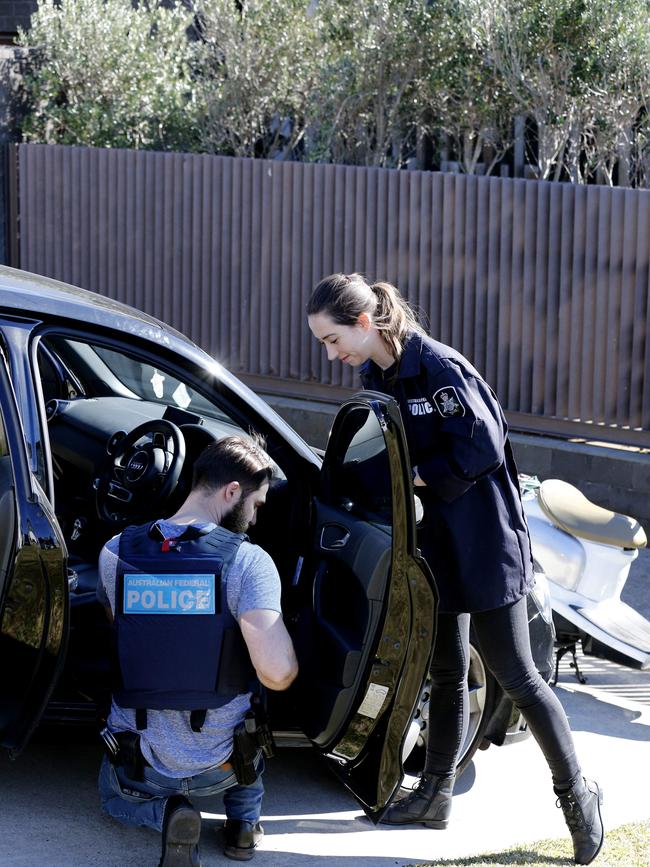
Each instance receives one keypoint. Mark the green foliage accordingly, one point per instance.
(537, 50)
(357, 83)
(579, 68)
(101, 72)
(464, 92)
(368, 105)
(617, 85)
(255, 69)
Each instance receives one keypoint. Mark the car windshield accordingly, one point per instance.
(127, 376)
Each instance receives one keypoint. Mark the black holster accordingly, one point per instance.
(252, 736)
(123, 749)
(244, 753)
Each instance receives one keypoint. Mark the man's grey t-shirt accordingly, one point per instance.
(168, 742)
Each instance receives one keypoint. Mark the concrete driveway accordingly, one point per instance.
(50, 814)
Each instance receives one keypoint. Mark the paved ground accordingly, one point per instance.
(50, 817)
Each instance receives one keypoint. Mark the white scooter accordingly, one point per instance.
(586, 552)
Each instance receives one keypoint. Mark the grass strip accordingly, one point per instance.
(627, 846)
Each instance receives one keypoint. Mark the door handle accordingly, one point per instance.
(333, 536)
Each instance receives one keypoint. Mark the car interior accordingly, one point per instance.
(124, 430)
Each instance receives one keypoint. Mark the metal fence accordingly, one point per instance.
(15, 14)
(543, 286)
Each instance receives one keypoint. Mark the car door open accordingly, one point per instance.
(33, 585)
(372, 603)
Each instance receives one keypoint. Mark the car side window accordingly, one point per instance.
(71, 368)
(360, 477)
(95, 394)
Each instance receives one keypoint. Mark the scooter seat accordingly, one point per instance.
(569, 509)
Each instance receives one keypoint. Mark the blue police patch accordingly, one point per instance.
(169, 594)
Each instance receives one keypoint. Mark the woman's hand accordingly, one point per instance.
(417, 481)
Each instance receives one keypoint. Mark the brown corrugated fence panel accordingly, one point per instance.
(543, 286)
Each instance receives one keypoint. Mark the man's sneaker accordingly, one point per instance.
(428, 804)
(581, 808)
(241, 839)
(181, 832)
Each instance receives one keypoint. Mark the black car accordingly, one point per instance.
(103, 412)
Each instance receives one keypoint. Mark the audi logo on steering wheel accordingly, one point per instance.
(136, 466)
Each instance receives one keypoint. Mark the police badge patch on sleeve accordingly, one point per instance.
(448, 403)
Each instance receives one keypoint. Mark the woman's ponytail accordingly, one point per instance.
(393, 317)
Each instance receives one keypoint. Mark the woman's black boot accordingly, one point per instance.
(581, 808)
(428, 804)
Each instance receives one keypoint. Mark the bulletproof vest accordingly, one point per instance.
(177, 645)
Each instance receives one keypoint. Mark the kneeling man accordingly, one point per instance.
(198, 626)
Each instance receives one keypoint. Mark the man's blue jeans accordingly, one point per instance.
(142, 803)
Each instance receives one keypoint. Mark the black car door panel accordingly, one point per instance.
(371, 614)
(33, 584)
(348, 591)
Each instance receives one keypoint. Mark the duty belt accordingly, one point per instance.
(123, 749)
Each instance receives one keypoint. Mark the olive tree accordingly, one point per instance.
(579, 69)
(617, 85)
(256, 64)
(463, 91)
(535, 49)
(368, 104)
(107, 73)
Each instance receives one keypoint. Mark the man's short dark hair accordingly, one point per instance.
(233, 459)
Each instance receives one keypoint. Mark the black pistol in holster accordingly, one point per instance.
(123, 749)
(251, 736)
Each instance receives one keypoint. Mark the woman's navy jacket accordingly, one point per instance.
(474, 534)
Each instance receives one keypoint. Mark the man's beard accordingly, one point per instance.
(235, 521)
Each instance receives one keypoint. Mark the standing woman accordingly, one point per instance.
(473, 534)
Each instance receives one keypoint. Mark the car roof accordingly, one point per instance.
(23, 293)
(32, 293)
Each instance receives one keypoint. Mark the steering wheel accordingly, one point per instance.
(142, 472)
